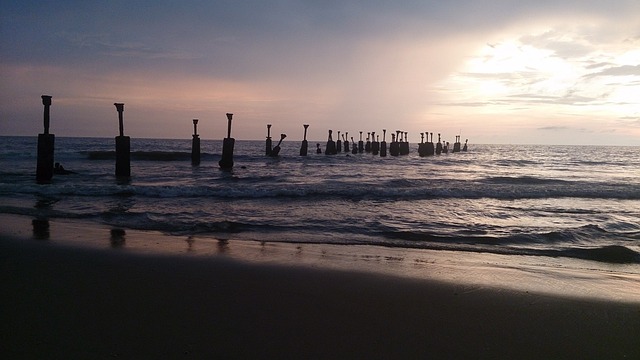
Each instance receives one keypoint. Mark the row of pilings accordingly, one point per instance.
(399, 146)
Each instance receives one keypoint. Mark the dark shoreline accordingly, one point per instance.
(69, 302)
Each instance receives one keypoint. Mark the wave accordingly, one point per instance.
(527, 180)
(146, 155)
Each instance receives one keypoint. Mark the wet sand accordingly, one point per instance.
(61, 300)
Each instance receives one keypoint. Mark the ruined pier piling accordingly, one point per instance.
(123, 147)
(226, 162)
(46, 142)
(195, 144)
(305, 144)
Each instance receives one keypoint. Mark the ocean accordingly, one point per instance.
(579, 202)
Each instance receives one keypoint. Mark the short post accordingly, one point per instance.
(276, 149)
(226, 163)
(331, 145)
(46, 141)
(383, 144)
(123, 147)
(464, 148)
(346, 142)
(195, 144)
(268, 142)
(430, 149)
(305, 145)
(375, 145)
(404, 146)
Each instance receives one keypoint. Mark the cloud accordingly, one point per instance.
(623, 70)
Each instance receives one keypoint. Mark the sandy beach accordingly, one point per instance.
(110, 293)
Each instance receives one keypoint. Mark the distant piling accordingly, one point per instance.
(375, 145)
(404, 145)
(46, 142)
(422, 147)
(438, 146)
(367, 146)
(276, 149)
(331, 145)
(456, 145)
(430, 148)
(338, 143)
(304, 148)
(346, 142)
(226, 162)
(354, 148)
(383, 144)
(464, 148)
(360, 144)
(394, 148)
(195, 144)
(268, 142)
(123, 147)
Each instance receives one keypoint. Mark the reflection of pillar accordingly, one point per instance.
(40, 229)
(195, 144)
(226, 163)
(305, 145)
(123, 147)
(46, 141)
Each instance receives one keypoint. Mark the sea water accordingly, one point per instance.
(535, 200)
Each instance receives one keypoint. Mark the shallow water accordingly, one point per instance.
(559, 201)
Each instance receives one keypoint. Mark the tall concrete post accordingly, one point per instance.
(195, 144)
(268, 142)
(46, 142)
(123, 147)
(226, 163)
(305, 145)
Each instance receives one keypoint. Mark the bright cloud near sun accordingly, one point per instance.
(538, 78)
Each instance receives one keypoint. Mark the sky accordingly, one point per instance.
(492, 71)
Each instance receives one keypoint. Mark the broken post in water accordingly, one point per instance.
(367, 146)
(338, 144)
(305, 144)
(268, 142)
(276, 149)
(465, 145)
(354, 148)
(430, 148)
(331, 145)
(46, 141)
(346, 142)
(383, 144)
(422, 147)
(123, 147)
(195, 144)
(404, 145)
(456, 145)
(438, 146)
(375, 144)
(226, 163)
(360, 144)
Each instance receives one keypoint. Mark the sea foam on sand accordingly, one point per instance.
(76, 290)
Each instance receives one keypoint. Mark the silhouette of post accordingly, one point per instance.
(305, 145)
(430, 148)
(331, 145)
(383, 144)
(346, 142)
(375, 145)
(438, 146)
(360, 144)
(46, 142)
(195, 144)
(367, 146)
(338, 144)
(456, 145)
(404, 145)
(226, 163)
(268, 142)
(276, 149)
(354, 148)
(123, 147)
(465, 145)
(422, 147)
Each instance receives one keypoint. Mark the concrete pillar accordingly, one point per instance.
(331, 145)
(46, 144)
(375, 144)
(268, 142)
(195, 144)
(404, 145)
(438, 146)
(430, 148)
(305, 145)
(360, 144)
(346, 142)
(422, 147)
(367, 146)
(354, 148)
(465, 145)
(226, 162)
(276, 149)
(456, 145)
(123, 147)
(338, 143)
(394, 149)
(383, 144)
